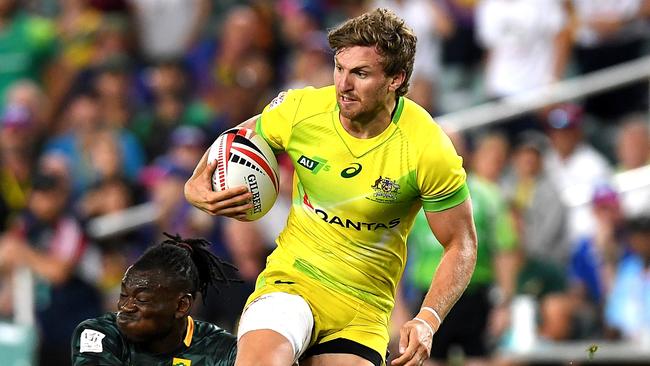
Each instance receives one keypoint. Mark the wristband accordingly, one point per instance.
(425, 323)
(432, 311)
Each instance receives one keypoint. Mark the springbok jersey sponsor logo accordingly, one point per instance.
(181, 362)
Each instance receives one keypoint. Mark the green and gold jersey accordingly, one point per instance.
(99, 342)
(354, 200)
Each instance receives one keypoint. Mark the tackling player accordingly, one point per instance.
(366, 159)
(152, 325)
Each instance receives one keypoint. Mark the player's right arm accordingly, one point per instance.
(232, 202)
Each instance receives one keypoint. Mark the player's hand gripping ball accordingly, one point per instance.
(244, 158)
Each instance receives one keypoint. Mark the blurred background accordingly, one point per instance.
(106, 106)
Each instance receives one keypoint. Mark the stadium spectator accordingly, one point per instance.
(28, 95)
(527, 44)
(27, 47)
(627, 312)
(214, 62)
(300, 20)
(311, 64)
(547, 285)
(574, 166)
(533, 197)
(170, 28)
(111, 83)
(171, 101)
(611, 32)
(153, 325)
(633, 152)
(83, 127)
(461, 49)
(594, 261)
(490, 157)
(50, 243)
(17, 161)
(78, 24)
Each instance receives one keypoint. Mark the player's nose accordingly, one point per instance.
(126, 305)
(344, 82)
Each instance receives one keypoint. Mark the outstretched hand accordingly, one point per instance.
(414, 344)
(232, 202)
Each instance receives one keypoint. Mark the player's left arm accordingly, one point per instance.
(454, 228)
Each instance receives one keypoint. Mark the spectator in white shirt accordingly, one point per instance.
(574, 166)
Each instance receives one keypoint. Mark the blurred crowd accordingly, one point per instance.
(106, 106)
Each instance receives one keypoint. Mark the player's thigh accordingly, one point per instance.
(335, 359)
(274, 329)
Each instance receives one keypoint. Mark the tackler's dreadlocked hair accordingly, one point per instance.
(188, 262)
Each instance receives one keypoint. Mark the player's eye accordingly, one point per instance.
(142, 300)
(362, 75)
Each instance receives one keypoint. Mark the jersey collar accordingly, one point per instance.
(359, 147)
(190, 331)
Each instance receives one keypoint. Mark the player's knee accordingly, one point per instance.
(264, 347)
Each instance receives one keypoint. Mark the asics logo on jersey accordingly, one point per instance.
(314, 164)
(350, 172)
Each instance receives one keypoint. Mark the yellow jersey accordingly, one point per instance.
(355, 200)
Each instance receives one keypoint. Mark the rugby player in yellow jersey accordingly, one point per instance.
(366, 160)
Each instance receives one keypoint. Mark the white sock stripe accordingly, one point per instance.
(434, 312)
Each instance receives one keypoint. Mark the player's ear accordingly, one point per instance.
(396, 81)
(184, 305)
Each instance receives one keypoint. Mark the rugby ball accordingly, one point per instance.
(244, 158)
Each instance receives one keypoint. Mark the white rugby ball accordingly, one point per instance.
(244, 158)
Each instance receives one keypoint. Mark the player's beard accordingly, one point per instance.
(362, 111)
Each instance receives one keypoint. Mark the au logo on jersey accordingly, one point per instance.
(181, 362)
(314, 164)
(386, 190)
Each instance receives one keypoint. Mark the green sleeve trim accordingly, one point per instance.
(258, 127)
(446, 202)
